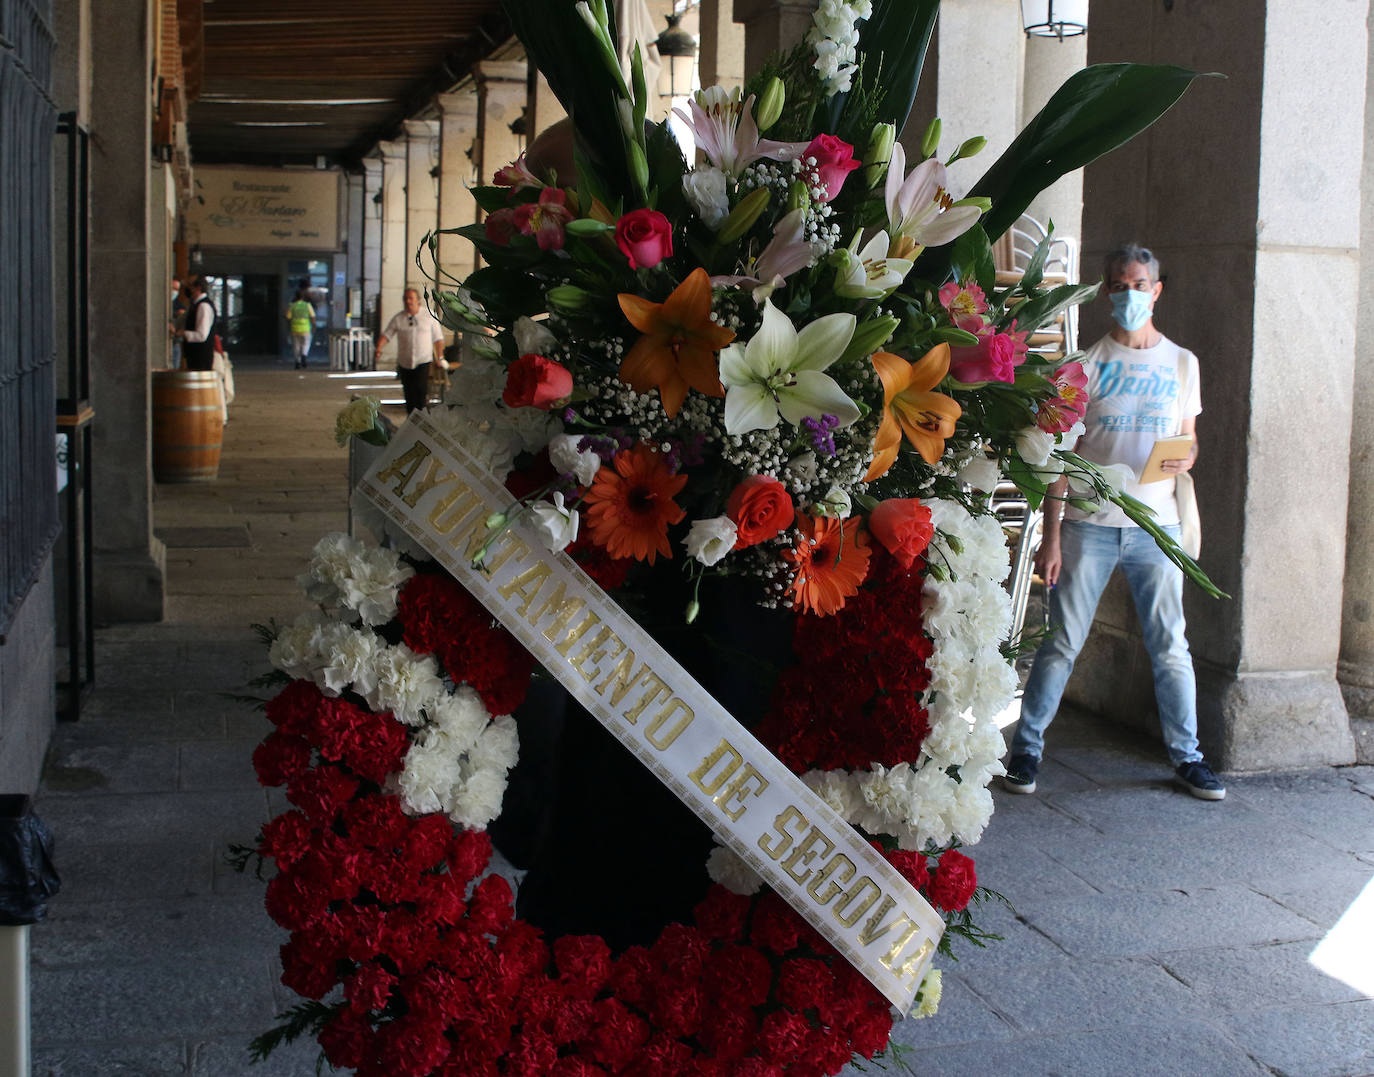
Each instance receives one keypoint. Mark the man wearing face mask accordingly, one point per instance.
(1141, 387)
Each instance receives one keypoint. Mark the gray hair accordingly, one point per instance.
(1127, 253)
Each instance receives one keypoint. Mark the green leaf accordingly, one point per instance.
(491, 199)
(1044, 308)
(971, 259)
(1035, 269)
(1095, 111)
(506, 292)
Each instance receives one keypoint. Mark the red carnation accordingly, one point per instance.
(535, 382)
(281, 757)
(293, 710)
(954, 881)
(912, 866)
(286, 838)
(584, 963)
(321, 792)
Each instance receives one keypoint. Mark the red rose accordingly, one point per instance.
(645, 237)
(761, 507)
(954, 881)
(834, 161)
(535, 382)
(902, 525)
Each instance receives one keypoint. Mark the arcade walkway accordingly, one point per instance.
(1153, 934)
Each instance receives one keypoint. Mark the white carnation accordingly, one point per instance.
(727, 869)
(928, 997)
(406, 684)
(705, 191)
(568, 459)
(498, 746)
(982, 473)
(478, 800)
(838, 789)
(477, 381)
(427, 778)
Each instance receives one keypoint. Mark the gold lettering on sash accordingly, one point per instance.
(912, 964)
(870, 931)
(621, 677)
(898, 946)
(434, 475)
(657, 687)
(403, 468)
(784, 842)
(806, 852)
(527, 584)
(466, 500)
(589, 622)
(654, 732)
(475, 537)
(510, 546)
(563, 608)
(822, 879)
(860, 906)
(737, 790)
(595, 653)
(721, 751)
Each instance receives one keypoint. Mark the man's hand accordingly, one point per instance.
(1048, 560)
(1177, 467)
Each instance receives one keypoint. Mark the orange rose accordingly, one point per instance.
(902, 525)
(761, 507)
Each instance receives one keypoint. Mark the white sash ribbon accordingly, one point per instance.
(822, 867)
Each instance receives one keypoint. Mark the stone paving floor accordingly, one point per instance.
(1152, 933)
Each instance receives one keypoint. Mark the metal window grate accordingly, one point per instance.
(28, 470)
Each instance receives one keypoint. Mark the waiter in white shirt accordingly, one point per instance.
(419, 340)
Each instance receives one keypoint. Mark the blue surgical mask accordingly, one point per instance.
(1131, 309)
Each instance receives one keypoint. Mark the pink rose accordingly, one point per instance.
(994, 358)
(645, 237)
(535, 382)
(834, 161)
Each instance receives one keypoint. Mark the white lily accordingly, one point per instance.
(919, 208)
(724, 128)
(780, 373)
(870, 273)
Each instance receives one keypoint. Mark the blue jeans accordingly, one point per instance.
(1091, 552)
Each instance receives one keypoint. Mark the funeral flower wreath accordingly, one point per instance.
(787, 367)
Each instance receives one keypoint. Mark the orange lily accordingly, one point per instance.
(911, 408)
(679, 345)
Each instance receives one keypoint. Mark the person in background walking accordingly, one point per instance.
(198, 338)
(301, 316)
(419, 341)
(1141, 387)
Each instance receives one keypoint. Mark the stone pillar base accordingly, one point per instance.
(130, 585)
(1357, 688)
(1270, 721)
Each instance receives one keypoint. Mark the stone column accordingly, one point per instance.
(1049, 63)
(1356, 667)
(1241, 257)
(457, 133)
(129, 560)
(372, 239)
(721, 62)
(771, 26)
(542, 107)
(979, 81)
(422, 195)
(501, 96)
(395, 255)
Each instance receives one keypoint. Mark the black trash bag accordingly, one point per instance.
(27, 876)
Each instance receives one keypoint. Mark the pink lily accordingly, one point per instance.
(1061, 411)
(545, 219)
(724, 128)
(966, 304)
(787, 252)
(920, 212)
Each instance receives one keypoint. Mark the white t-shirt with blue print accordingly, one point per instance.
(1133, 401)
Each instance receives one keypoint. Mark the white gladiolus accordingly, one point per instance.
(556, 523)
(705, 191)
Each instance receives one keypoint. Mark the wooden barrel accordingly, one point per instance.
(187, 430)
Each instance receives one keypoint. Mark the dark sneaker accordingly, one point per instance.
(1197, 778)
(1020, 775)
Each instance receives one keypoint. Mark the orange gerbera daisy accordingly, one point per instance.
(831, 559)
(911, 408)
(630, 504)
(678, 349)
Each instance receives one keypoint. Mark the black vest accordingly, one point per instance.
(200, 354)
